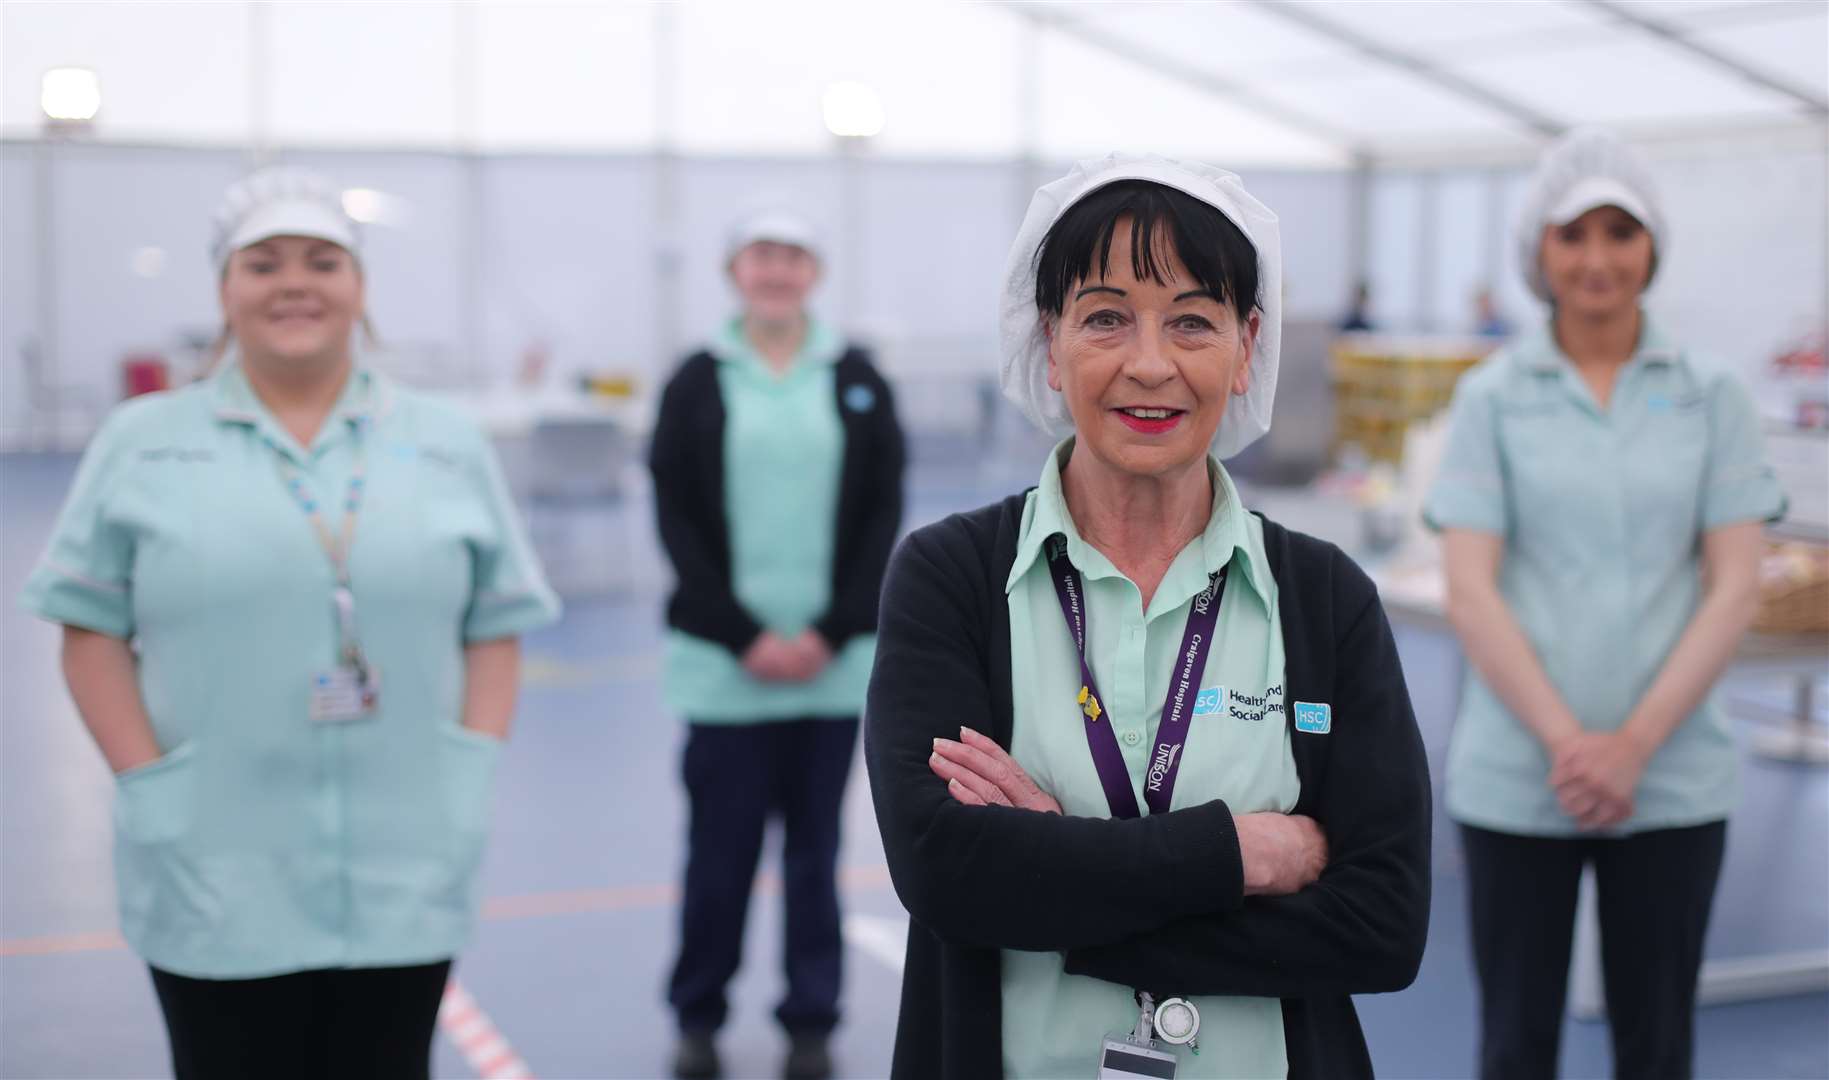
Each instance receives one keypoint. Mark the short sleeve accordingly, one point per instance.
(1740, 484)
(1469, 487)
(509, 595)
(84, 578)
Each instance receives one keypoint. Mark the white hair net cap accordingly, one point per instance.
(281, 201)
(776, 226)
(1585, 169)
(1025, 342)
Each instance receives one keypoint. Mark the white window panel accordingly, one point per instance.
(1395, 251)
(1229, 38)
(564, 76)
(1381, 105)
(1511, 291)
(569, 262)
(1629, 81)
(1706, 12)
(1093, 102)
(362, 74)
(1795, 51)
(1435, 27)
(751, 76)
(166, 70)
(1463, 243)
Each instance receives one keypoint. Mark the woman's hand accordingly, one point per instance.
(1595, 775)
(1281, 853)
(814, 653)
(979, 773)
(772, 658)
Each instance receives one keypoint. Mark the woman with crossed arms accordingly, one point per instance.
(1144, 762)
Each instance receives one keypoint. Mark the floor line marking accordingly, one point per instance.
(851, 879)
(491, 1056)
(879, 937)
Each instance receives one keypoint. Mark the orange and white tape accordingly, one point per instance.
(476, 1038)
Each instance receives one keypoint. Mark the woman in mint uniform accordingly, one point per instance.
(778, 482)
(291, 597)
(1141, 757)
(1601, 503)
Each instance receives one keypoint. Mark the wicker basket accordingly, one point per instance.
(1794, 591)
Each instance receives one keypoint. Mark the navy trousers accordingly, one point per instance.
(738, 776)
(353, 1023)
(1656, 890)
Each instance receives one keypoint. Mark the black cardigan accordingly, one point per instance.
(1154, 902)
(687, 459)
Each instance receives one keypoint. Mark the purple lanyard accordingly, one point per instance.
(1172, 733)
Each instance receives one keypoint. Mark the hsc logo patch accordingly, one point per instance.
(1315, 719)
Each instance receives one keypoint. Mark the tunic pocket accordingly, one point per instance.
(154, 803)
(469, 780)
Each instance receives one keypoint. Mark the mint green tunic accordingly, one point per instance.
(264, 843)
(1602, 512)
(1237, 750)
(784, 448)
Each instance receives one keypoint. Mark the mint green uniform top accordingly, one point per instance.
(784, 449)
(262, 842)
(1602, 512)
(1237, 750)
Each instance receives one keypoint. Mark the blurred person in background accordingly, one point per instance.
(777, 464)
(1359, 316)
(1487, 321)
(1130, 744)
(291, 596)
(1601, 501)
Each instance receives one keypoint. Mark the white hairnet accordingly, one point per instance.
(281, 201)
(1025, 344)
(1586, 168)
(775, 225)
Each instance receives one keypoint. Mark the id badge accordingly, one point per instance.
(342, 695)
(1122, 1057)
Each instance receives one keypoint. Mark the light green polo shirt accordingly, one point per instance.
(1237, 750)
(784, 449)
(262, 842)
(1602, 512)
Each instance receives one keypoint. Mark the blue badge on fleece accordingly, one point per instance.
(1314, 719)
(859, 398)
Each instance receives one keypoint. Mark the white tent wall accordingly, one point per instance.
(1747, 273)
(19, 312)
(489, 255)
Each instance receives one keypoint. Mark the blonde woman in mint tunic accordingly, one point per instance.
(1144, 762)
(292, 596)
(1601, 502)
(778, 482)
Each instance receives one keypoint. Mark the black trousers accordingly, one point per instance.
(343, 1022)
(1656, 889)
(737, 777)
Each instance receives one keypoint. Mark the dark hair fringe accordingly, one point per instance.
(1216, 252)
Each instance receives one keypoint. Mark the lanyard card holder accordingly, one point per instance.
(1148, 1051)
(344, 695)
(350, 691)
(1122, 1057)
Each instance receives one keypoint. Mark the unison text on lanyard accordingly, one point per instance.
(336, 546)
(1172, 733)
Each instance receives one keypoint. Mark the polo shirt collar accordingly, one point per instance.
(1223, 542)
(368, 396)
(1539, 352)
(823, 346)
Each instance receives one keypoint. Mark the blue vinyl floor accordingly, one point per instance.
(578, 930)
